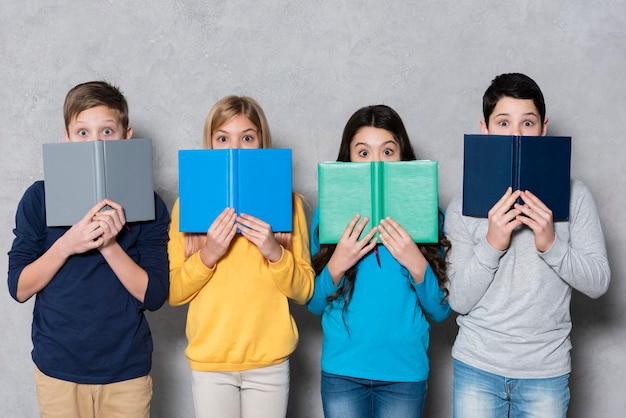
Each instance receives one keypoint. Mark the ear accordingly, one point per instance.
(544, 128)
(483, 127)
(129, 132)
(66, 135)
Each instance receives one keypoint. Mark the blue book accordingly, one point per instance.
(492, 163)
(80, 174)
(256, 182)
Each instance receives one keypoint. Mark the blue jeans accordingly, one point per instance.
(349, 397)
(479, 394)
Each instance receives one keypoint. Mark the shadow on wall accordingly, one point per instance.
(304, 398)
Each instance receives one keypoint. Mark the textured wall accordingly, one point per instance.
(311, 64)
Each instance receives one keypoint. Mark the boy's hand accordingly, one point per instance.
(538, 218)
(260, 234)
(349, 249)
(218, 237)
(84, 235)
(111, 221)
(402, 247)
(503, 219)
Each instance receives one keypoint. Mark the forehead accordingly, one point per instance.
(238, 123)
(98, 114)
(370, 136)
(514, 107)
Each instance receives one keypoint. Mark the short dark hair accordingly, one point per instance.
(376, 116)
(517, 86)
(92, 94)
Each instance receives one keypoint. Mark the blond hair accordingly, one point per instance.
(230, 106)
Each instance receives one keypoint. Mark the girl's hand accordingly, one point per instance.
(111, 221)
(218, 237)
(401, 246)
(503, 219)
(349, 249)
(538, 218)
(260, 234)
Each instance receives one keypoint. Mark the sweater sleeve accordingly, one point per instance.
(152, 245)
(187, 276)
(432, 297)
(28, 245)
(293, 273)
(472, 264)
(324, 285)
(582, 261)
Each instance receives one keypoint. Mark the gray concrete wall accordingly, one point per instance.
(311, 64)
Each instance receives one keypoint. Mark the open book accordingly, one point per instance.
(407, 191)
(80, 174)
(256, 182)
(492, 163)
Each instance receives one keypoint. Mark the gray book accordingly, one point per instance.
(80, 174)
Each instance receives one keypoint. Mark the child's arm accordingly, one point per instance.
(188, 275)
(472, 262)
(130, 274)
(326, 283)
(85, 235)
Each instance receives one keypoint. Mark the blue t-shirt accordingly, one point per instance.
(383, 334)
(86, 327)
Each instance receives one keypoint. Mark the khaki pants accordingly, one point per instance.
(62, 399)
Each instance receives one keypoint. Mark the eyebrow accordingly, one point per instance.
(243, 132)
(107, 121)
(391, 141)
(523, 114)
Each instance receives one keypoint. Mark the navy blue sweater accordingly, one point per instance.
(86, 327)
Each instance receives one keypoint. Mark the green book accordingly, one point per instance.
(407, 191)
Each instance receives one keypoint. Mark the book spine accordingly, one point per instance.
(99, 166)
(233, 192)
(517, 165)
(378, 209)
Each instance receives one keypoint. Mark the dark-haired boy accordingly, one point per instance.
(93, 281)
(511, 278)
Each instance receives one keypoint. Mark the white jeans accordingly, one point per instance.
(258, 393)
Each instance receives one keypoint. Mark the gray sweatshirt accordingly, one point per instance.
(514, 305)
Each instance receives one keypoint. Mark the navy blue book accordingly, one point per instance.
(492, 163)
(256, 182)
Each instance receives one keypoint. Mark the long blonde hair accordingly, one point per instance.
(224, 110)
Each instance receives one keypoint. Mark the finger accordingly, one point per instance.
(119, 210)
(360, 226)
(223, 221)
(534, 201)
(350, 227)
(370, 236)
(505, 202)
(369, 247)
(392, 227)
(255, 224)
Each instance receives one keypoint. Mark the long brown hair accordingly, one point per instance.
(383, 117)
(224, 110)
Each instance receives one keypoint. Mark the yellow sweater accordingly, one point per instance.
(238, 316)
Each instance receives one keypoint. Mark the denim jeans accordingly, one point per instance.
(479, 394)
(349, 397)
